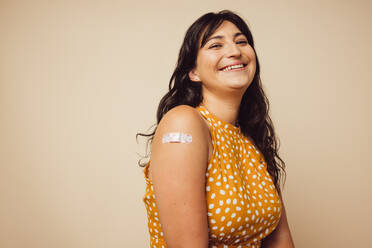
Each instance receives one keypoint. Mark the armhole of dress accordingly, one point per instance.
(209, 126)
(146, 173)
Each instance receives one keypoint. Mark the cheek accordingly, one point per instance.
(253, 62)
(251, 54)
(209, 62)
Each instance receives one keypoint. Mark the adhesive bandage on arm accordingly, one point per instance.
(177, 138)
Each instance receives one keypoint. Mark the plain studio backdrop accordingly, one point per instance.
(78, 80)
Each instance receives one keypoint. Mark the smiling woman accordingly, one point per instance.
(215, 173)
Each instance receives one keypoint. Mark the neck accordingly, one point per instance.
(225, 109)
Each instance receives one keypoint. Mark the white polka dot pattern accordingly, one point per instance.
(242, 202)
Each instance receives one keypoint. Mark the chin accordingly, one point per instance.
(239, 84)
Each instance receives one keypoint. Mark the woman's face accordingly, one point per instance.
(226, 61)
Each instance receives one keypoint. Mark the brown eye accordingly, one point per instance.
(242, 42)
(215, 46)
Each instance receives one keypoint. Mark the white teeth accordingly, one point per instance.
(232, 67)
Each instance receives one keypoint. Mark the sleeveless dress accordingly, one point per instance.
(243, 204)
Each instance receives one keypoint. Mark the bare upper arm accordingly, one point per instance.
(178, 176)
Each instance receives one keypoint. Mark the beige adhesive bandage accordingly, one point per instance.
(177, 138)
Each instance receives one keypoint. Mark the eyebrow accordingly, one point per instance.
(221, 37)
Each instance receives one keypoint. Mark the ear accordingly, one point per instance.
(194, 76)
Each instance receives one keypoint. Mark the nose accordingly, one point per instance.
(233, 50)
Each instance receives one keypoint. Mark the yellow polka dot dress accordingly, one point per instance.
(242, 201)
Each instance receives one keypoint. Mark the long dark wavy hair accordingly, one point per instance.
(253, 117)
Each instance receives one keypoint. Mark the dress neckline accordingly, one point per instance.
(218, 121)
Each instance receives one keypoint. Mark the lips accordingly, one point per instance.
(233, 66)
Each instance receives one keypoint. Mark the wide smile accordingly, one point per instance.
(238, 67)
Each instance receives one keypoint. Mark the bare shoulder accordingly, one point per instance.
(182, 117)
(186, 120)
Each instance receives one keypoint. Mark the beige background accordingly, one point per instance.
(78, 79)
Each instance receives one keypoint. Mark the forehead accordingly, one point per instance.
(226, 27)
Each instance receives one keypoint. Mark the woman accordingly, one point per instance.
(215, 172)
